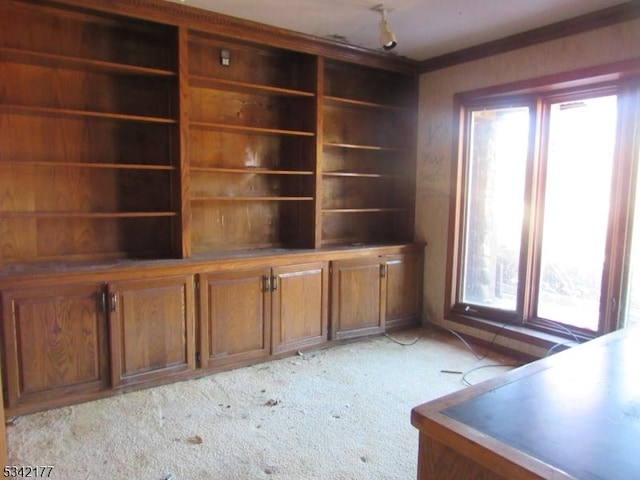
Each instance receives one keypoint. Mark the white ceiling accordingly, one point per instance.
(424, 28)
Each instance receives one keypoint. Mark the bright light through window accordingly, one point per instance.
(577, 191)
(547, 205)
(495, 182)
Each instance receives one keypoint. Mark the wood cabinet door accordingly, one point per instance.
(152, 328)
(404, 274)
(357, 298)
(235, 317)
(300, 301)
(55, 344)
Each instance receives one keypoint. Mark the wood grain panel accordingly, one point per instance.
(251, 64)
(357, 298)
(219, 226)
(247, 110)
(69, 236)
(368, 84)
(18, 239)
(404, 290)
(217, 184)
(236, 317)
(366, 127)
(361, 192)
(55, 342)
(31, 240)
(28, 138)
(210, 148)
(152, 328)
(56, 189)
(300, 304)
(72, 32)
(349, 160)
(360, 228)
(437, 461)
(81, 90)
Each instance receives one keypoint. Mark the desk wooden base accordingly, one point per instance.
(437, 461)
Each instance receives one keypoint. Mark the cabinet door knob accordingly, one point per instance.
(113, 302)
(266, 283)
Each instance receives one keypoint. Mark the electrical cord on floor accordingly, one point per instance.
(412, 342)
(558, 345)
(468, 383)
(489, 348)
(479, 357)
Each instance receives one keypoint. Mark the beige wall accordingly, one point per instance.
(435, 143)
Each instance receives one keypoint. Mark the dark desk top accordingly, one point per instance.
(578, 411)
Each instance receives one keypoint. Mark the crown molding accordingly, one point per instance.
(584, 23)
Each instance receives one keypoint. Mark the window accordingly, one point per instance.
(545, 206)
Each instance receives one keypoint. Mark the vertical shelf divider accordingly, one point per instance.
(319, 170)
(182, 194)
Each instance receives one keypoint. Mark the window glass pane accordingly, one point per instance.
(577, 190)
(496, 169)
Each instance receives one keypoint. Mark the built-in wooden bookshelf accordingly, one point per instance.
(87, 144)
(252, 137)
(368, 155)
(179, 189)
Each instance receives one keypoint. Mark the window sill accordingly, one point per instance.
(541, 342)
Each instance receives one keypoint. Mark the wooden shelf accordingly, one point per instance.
(245, 87)
(361, 175)
(365, 147)
(88, 215)
(363, 210)
(106, 166)
(64, 112)
(252, 199)
(350, 102)
(365, 86)
(28, 57)
(241, 128)
(256, 171)
(350, 241)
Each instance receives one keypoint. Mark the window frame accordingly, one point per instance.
(622, 79)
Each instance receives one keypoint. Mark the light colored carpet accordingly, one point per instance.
(341, 412)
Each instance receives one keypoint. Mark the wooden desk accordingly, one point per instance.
(575, 414)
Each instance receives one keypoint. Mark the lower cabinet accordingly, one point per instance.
(403, 305)
(67, 343)
(249, 315)
(371, 295)
(358, 295)
(55, 344)
(105, 331)
(300, 302)
(152, 328)
(234, 317)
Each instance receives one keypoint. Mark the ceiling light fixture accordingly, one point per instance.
(388, 40)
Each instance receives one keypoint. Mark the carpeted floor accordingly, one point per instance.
(341, 412)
